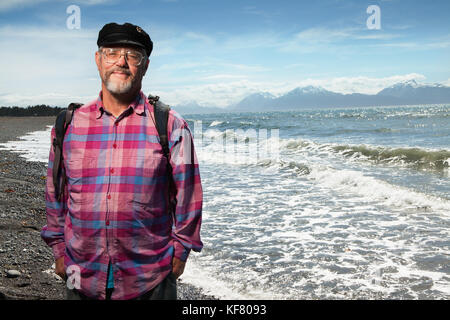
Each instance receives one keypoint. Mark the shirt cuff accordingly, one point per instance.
(59, 250)
(181, 252)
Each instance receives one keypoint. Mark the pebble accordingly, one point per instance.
(23, 284)
(12, 273)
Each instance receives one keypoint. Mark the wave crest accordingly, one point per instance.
(417, 157)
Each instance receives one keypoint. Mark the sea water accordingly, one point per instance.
(355, 203)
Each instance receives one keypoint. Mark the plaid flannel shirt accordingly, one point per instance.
(115, 207)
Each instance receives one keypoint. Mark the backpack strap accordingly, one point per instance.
(62, 122)
(161, 111)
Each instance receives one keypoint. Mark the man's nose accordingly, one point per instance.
(122, 60)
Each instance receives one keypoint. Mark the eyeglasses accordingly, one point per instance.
(132, 57)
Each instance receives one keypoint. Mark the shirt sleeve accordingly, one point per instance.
(53, 232)
(189, 196)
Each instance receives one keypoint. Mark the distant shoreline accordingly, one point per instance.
(11, 128)
(30, 111)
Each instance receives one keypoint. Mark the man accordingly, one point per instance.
(112, 230)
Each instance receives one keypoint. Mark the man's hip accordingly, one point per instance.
(165, 290)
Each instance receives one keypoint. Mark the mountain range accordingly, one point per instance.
(403, 93)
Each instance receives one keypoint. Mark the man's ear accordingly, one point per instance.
(97, 59)
(146, 67)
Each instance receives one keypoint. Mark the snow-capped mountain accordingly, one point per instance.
(413, 93)
(307, 90)
(409, 92)
(403, 93)
(255, 101)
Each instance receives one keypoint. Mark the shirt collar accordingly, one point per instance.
(138, 105)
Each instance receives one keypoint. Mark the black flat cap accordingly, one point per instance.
(127, 33)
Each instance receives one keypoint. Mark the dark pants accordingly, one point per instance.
(166, 290)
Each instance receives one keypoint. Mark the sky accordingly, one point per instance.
(216, 52)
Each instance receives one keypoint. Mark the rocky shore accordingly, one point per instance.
(25, 260)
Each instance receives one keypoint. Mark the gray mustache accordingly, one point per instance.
(126, 71)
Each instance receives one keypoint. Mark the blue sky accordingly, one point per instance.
(216, 52)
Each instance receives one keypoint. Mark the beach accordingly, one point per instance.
(347, 203)
(25, 260)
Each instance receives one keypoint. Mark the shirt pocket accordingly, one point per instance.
(149, 186)
(82, 175)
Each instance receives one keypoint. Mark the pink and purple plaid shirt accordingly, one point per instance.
(115, 204)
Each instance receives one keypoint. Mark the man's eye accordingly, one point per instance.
(112, 54)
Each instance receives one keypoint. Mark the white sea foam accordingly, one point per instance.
(348, 181)
(33, 146)
(207, 278)
(215, 123)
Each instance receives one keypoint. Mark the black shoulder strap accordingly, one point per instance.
(61, 124)
(161, 111)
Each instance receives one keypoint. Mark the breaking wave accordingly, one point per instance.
(417, 158)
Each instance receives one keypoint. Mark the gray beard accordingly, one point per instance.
(119, 87)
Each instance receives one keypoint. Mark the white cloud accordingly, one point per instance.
(219, 94)
(324, 35)
(377, 36)
(40, 33)
(224, 76)
(365, 85)
(400, 27)
(321, 39)
(44, 61)
(199, 37)
(441, 42)
(361, 84)
(182, 65)
(209, 69)
(255, 11)
(313, 40)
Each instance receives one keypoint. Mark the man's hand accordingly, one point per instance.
(59, 268)
(177, 267)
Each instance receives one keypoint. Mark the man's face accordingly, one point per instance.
(121, 76)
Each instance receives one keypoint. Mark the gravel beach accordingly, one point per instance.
(25, 260)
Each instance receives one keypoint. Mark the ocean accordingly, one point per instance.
(341, 203)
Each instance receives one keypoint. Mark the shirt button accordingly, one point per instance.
(108, 196)
(114, 146)
(116, 124)
(112, 170)
(107, 222)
